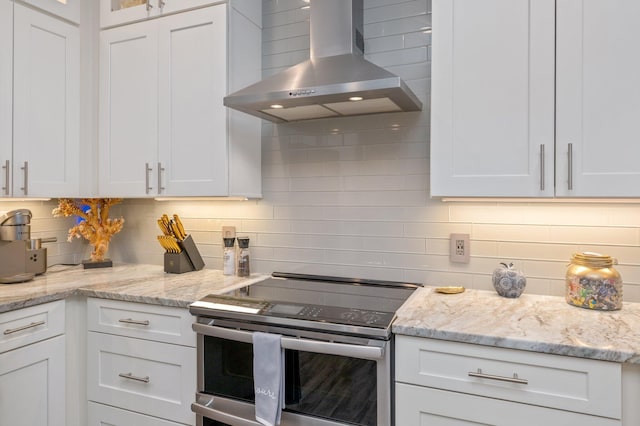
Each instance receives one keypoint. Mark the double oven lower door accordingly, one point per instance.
(329, 380)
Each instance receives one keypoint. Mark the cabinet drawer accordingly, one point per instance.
(33, 324)
(149, 377)
(567, 383)
(416, 405)
(151, 322)
(104, 415)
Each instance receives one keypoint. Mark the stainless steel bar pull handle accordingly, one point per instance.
(514, 379)
(541, 167)
(160, 4)
(24, 327)
(130, 376)
(570, 168)
(149, 5)
(205, 406)
(147, 170)
(25, 188)
(132, 321)
(7, 176)
(160, 170)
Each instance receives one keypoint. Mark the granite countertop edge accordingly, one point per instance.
(536, 323)
(147, 284)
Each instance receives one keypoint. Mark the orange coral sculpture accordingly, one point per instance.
(97, 227)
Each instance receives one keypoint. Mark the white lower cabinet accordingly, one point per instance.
(32, 366)
(441, 383)
(139, 370)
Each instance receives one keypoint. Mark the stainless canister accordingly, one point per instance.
(15, 225)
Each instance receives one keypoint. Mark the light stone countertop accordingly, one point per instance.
(533, 323)
(133, 283)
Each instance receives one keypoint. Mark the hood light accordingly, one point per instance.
(355, 98)
(276, 106)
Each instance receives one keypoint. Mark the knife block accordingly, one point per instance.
(189, 259)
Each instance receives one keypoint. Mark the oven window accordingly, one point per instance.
(228, 368)
(333, 387)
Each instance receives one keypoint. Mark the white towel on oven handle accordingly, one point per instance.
(268, 377)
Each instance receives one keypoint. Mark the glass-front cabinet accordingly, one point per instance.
(118, 12)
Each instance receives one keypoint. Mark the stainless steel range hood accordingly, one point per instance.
(336, 81)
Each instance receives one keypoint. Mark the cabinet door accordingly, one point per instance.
(128, 110)
(492, 125)
(598, 98)
(46, 105)
(193, 119)
(32, 384)
(6, 95)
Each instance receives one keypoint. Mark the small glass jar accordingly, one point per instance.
(593, 283)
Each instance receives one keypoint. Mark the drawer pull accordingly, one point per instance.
(24, 327)
(132, 321)
(514, 379)
(132, 377)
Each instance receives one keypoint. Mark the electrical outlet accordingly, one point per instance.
(228, 232)
(459, 250)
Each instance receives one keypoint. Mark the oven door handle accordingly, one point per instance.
(213, 414)
(315, 346)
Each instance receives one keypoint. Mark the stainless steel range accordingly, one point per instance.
(337, 341)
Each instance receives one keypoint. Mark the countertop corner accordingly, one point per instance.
(536, 323)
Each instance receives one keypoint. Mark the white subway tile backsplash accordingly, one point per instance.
(392, 10)
(287, 45)
(594, 235)
(383, 44)
(399, 57)
(397, 26)
(388, 229)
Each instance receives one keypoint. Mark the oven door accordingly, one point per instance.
(326, 383)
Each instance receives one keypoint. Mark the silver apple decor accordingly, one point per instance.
(508, 281)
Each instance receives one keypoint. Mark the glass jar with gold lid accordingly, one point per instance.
(593, 282)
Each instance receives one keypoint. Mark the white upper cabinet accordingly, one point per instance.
(128, 114)
(118, 12)
(527, 102)
(492, 98)
(6, 94)
(598, 98)
(164, 130)
(192, 118)
(46, 63)
(66, 9)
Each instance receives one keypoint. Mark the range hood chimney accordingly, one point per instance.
(337, 81)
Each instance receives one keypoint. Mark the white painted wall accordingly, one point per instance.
(351, 196)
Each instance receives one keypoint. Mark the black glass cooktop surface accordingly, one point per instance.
(325, 303)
